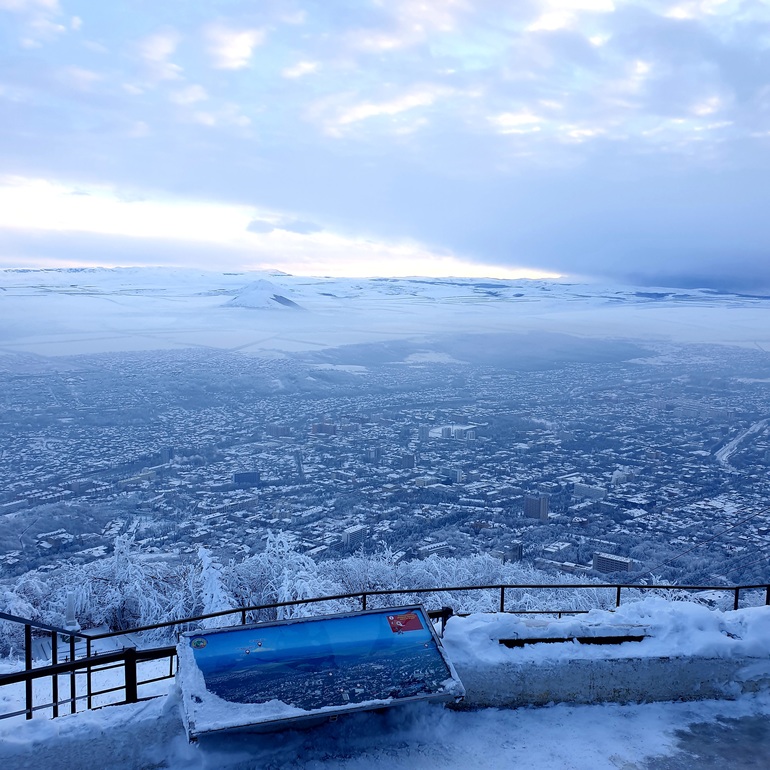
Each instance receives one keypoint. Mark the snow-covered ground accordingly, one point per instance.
(704, 734)
(657, 736)
(56, 312)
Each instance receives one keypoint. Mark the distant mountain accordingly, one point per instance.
(264, 295)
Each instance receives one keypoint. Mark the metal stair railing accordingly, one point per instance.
(56, 632)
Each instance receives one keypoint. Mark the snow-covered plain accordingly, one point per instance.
(59, 312)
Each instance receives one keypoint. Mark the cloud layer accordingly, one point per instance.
(606, 137)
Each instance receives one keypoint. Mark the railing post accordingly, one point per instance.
(767, 595)
(363, 601)
(617, 596)
(73, 679)
(446, 613)
(28, 666)
(502, 598)
(243, 617)
(129, 667)
(737, 596)
(88, 673)
(55, 678)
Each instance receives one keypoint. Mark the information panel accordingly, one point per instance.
(272, 673)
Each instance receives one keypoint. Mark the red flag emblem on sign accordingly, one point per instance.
(409, 621)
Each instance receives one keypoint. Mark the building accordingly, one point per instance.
(52, 541)
(246, 479)
(589, 492)
(438, 549)
(556, 549)
(299, 465)
(536, 507)
(607, 562)
(451, 475)
(423, 433)
(12, 507)
(353, 537)
(278, 431)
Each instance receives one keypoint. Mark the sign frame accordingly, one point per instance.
(214, 662)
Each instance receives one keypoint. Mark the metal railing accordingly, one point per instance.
(90, 662)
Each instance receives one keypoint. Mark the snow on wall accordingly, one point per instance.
(689, 653)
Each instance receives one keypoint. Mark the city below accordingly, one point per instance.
(640, 461)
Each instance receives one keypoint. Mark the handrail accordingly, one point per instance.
(100, 659)
(41, 626)
(129, 657)
(364, 594)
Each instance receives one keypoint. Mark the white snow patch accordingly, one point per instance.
(350, 368)
(431, 357)
(672, 629)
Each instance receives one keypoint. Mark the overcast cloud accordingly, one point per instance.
(625, 140)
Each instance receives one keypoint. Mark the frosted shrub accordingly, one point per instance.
(129, 588)
(213, 594)
(122, 591)
(278, 574)
(362, 572)
(12, 634)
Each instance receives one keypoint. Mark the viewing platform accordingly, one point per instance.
(647, 651)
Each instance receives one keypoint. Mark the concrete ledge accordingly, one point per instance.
(618, 680)
(685, 651)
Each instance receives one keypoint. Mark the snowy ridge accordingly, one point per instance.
(327, 290)
(59, 312)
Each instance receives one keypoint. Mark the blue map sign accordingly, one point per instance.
(291, 670)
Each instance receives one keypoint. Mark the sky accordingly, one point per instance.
(622, 140)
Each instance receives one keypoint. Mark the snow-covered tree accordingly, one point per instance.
(131, 588)
(213, 594)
